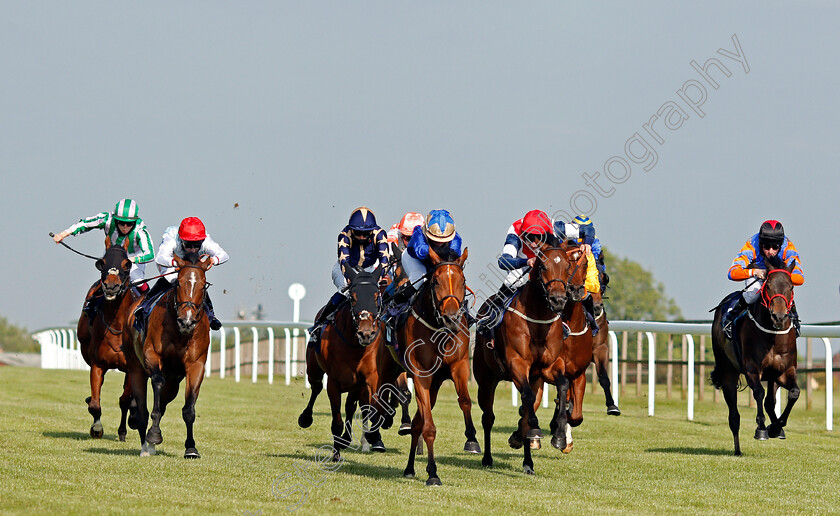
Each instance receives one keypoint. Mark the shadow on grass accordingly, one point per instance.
(76, 436)
(691, 451)
(133, 452)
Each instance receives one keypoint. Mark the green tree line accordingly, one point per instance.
(15, 339)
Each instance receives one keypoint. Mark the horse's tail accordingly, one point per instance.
(714, 377)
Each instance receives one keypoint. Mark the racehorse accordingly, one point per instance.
(347, 353)
(766, 351)
(173, 347)
(100, 337)
(435, 338)
(601, 353)
(526, 351)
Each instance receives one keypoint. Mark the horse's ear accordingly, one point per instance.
(377, 273)
(792, 266)
(125, 244)
(463, 259)
(178, 261)
(206, 262)
(351, 273)
(434, 256)
(100, 263)
(107, 241)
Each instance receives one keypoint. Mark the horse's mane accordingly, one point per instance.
(192, 257)
(774, 263)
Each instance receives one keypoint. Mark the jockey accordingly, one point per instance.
(604, 278)
(769, 242)
(362, 244)
(398, 237)
(518, 256)
(189, 237)
(124, 223)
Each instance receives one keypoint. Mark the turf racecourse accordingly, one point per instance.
(252, 450)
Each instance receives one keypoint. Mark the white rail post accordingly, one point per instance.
(295, 353)
(237, 366)
(207, 364)
(690, 376)
(297, 292)
(614, 366)
(513, 395)
(651, 370)
(288, 356)
(305, 377)
(829, 385)
(270, 355)
(255, 358)
(545, 395)
(222, 358)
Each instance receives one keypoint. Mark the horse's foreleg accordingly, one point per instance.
(139, 386)
(578, 390)
(429, 434)
(558, 435)
(97, 376)
(519, 373)
(754, 381)
(316, 380)
(194, 377)
(154, 436)
(460, 377)
(341, 440)
(125, 404)
(601, 357)
(405, 420)
(788, 381)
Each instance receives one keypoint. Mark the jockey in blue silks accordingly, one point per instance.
(437, 233)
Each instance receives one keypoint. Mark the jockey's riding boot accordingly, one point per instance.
(215, 324)
(323, 315)
(139, 290)
(488, 321)
(794, 317)
(589, 307)
(729, 317)
(93, 300)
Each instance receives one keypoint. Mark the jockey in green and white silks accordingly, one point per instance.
(124, 223)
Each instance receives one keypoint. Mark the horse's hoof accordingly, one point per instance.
(612, 410)
(775, 431)
(405, 429)
(336, 456)
(378, 447)
(535, 433)
(472, 447)
(305, 420)
(568, 448)
(781, 434)
(761, 434)
(535, 444)
(528, 470)
(514, 441)
(144, 454)
(154, 437)
(408, 473)
(433, 482)
(365, 447)
(122, 436)
(96, 431)
(558, 442)
(191, 453)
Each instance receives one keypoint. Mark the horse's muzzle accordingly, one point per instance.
(556, 302)
(186, 325)
(779, 320)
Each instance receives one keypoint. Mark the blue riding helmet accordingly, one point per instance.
(439, 226)
(362, 219)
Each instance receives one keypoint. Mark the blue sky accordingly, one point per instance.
(272, 121)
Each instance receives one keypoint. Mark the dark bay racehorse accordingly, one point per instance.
(100, 338)
(173, 348)
(526, 351)
(766, 352)
(601, 353)
(436, 343)
(348, 355)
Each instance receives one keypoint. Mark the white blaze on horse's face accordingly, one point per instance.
(192, 283)
(556, 259)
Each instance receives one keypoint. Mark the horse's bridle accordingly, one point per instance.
(437, 304)
(189, 304)
(358, 316)
(767, 299)
(547, 284)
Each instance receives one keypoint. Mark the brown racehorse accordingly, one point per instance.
(601, 353)
(400, 279)
(100, 339)
(436, 340)
(174, 347)
(526, 351)
(766, 352)
(348, 354)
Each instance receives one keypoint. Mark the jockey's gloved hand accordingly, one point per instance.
(404, 294)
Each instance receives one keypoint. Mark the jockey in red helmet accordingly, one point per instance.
(189, 237)
(749, 266)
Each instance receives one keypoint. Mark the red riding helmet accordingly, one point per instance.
(192, 230)
(536, 222)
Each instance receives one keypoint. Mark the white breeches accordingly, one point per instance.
(414, 268)
(753, 291)
(516, 278)
(138, 272)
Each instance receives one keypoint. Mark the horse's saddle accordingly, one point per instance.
(489, 321)
(144, 310)
(726, 305)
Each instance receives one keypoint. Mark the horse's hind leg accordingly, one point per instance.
(97, 376)
(405, 420)
(601, 358)
(342, 437)
(788, 381)
(154, 436)
(558, 425)
(486, 396)
(125, 404)
(194, 377)
(316, 380)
